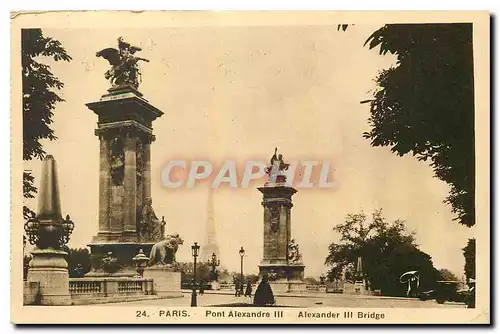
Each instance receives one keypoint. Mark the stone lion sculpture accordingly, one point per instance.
(163, 252)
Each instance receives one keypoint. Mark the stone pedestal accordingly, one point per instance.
(215, 285)
(50, 269)
(360, 288)
(356, 288)
(166, 281)
(284, 275)
(124, 253)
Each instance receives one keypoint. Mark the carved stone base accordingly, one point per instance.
(124, 253)
(166, 281)
(284, 277)
(284, 286)
(49, 268)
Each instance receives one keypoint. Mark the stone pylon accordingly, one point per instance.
(125, 132)
(284, 275)
(48, 266)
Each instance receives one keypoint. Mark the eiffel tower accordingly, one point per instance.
(210, 247)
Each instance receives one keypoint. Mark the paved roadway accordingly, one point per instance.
(305, 300)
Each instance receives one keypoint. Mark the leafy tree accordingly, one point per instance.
(39, 98)
(311, 280)
(187, 269)
(387, 251)
(446, 275)
(470, 259)
(253, 278)
(425, 104)
(78, 256)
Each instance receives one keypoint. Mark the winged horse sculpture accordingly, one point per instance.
(124, 69)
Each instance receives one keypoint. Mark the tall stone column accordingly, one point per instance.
(126, 119)
(104, 183)
(284, 275)
(129, 185)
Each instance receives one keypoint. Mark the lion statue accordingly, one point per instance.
(163, 252)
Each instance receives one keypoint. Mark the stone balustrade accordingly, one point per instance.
(109, 287)
(85, 287)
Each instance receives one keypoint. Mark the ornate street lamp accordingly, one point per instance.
(214, 263)
(140, 261)
(195, 249)
(242, 254)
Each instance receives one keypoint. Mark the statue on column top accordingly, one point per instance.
(124, 65)
(276, 169)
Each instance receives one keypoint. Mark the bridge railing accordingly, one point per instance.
(109, 287)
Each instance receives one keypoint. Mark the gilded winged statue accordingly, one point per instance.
(124, 69)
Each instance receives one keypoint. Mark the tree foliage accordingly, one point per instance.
(39, 98)
(387, 250)
(425, 104)
(187, 269)
(470, 259)
(447, 275)
(78, 256)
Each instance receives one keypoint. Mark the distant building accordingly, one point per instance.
(210, 245)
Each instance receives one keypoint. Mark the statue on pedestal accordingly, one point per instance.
(124, 68)
(277, 168)
(151, 228)
(294, 255)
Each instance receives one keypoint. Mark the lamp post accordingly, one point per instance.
(242, 254)
(214, 263)
(194, 248)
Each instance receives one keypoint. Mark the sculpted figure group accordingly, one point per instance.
(124, 65)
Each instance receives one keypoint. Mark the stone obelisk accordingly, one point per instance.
(127, 222)
(281, 261)
(49, 232)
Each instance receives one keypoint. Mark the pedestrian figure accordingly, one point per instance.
(264, 294)
(248, 290)
(237, 292)
(202, 288)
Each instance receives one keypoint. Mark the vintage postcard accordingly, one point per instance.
(250, 168)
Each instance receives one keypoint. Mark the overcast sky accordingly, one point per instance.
(234, 94)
